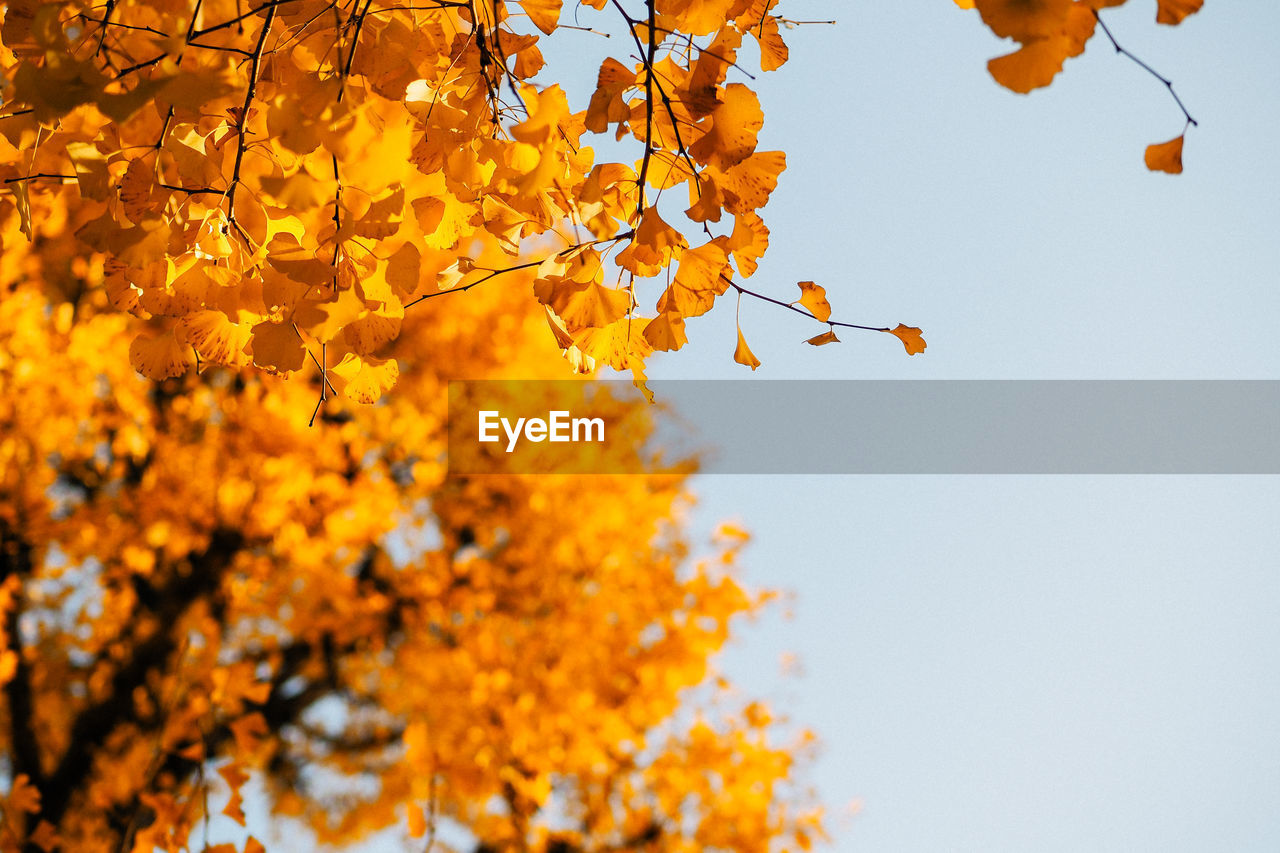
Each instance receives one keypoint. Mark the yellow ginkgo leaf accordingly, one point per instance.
(216, 338)
(545, 14)
(277, 347)
(364, 379)
(827, 337)
(160, 356)
(910, 337)
(666, 332)
(1165, 156)
(814, 298)
(743, 354)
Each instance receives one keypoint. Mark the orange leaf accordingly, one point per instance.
(743, 353)
(1173, 11)
(814, 299)
(588, 304)
(545, 14)
(773, 50)
(748, 242)
(23, 796)
(1032, 66)
(827, 337)
(1165, 157)
(1024, 20)
(364, 379)
(161, 356)
(734, 126)
(235, 779)
(666, 332)
(417, 822)
(910, 337)
(699, 280)
(277, 347)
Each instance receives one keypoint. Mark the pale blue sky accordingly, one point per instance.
(1022, 663)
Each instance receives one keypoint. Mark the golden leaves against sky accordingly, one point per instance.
(305, 171)
(1052, 31)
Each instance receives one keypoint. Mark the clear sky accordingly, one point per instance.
(1021, 663)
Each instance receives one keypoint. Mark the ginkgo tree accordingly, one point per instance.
(198, 590)
(276, 183)
(258, 203)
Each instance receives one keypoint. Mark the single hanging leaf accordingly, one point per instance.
(910, 337)
(827, 337)
(1165, 157)
(814, 299)
(743, 353)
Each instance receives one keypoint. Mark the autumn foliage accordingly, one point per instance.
(258, 205)
(199, 590)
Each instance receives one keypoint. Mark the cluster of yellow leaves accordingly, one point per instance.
(1049, 32)
(200, 574)
(275, 184)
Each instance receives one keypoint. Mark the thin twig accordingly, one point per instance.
(1156, 74)
(791, 307)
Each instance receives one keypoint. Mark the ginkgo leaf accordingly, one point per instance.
(910, 337)
(373, 330)
(91, 170)
(588, 304)
(665, 333)
(814, 298)
(160, 356)
(747, 186)
(620, 345)
(364, 379)
(1032, 66)
(827, 337)
(748, 242)
(743, 354)
(545, 14)
(1024, 20)
(1165, 156)
(1173, 11)
(277, 347)
(733, 128)
(215, 337)
(607, 102)
(654, 246)
(773, 50)
(695, 17)
(135, 190)
(699, 279)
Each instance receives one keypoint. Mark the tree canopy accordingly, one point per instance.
(256, 205)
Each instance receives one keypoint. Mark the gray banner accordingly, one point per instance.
(868, 427)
